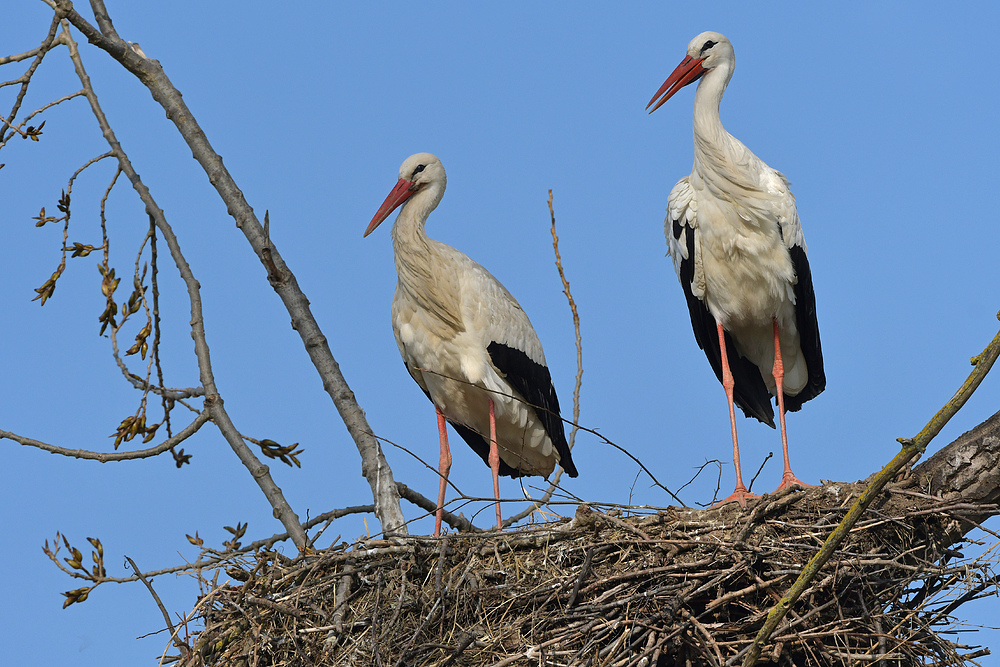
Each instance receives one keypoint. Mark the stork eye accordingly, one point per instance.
(419, 168)
(709, 44)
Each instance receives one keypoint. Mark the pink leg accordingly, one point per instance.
(788, 479)
(495, 462)
(741, 494)
(444, 467)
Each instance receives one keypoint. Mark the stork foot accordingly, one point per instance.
(789, 480)
(740, 495)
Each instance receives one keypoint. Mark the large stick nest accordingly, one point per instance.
(682, 587)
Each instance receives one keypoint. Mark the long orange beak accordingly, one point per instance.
(399, 194)
(689, 71)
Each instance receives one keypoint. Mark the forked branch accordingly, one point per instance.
(213, 401)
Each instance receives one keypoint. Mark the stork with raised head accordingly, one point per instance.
(468, 344)
(737, 246)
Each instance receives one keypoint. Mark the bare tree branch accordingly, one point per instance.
(108, 457)
(213, 401)
(374, 466)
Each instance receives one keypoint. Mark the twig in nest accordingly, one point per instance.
(439, 571)
(762, 464)
(340, 600)
(584, 571)
(701, 468)
(467, 639)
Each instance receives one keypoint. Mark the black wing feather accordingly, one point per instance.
(749, 393)
(533, 382)
(808, 326)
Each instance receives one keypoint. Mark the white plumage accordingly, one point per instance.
(468, 344)
(737, 246)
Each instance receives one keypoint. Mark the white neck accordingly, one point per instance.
(707, 98)
(425, 273)
(723, 162)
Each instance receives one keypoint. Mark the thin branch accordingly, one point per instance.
(154, 286)
(759, 470)
(214, 558)
(4, 60)
(184, 648)
(25, 79)
(108, 457)
(427, 465)
(636, 460)
(41, 109)
(172, 394)
(203, 601)
(701, 469)
(576, 326)
(554, 484)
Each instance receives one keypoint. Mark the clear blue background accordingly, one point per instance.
(883, 116)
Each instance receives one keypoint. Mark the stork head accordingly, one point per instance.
(419, 172)
(705, 52)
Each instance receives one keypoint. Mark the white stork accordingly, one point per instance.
(737, 246)
(468, 344)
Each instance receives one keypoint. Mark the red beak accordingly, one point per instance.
(689, 71)
(399, 194)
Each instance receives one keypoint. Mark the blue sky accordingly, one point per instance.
(884, 120)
